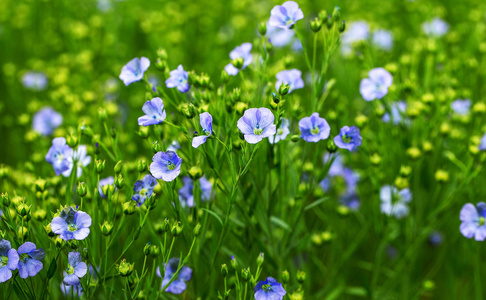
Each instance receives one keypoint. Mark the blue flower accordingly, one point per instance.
(473, 221)
(102, 183)
(461, 107)
(174, 146)
(435, 28)
(9, 260)
(154, 112)
(46, 121)
(436, 238)
(186, 192)
(36, 81)
(397, 110)
(314, 128)
(143, 189)
(66, 289)
(348, 138)
(284, 16)
(337, 169)
(383, 39)
(356, 31)
(394, 202)
(206, 121)
(279, 37)
(71, 224)
(134, 69)
(59, 154)
(82, 160)
(75, 270)
(179, 284)
(178, 78)
(482, 145)
(269, 289)
(376, 86)
(351, 201)
(257, 124)
(242, 51)
(166, 165)
(281, 133)
(29, 260)
(291, 77)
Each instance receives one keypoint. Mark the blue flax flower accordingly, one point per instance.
(46, 121)
(376, 86)
(179, 284)
(397, 110)
(383, 39)
(9, 260)
(279, 37)
(473, 221)
(269, 289)
(186, 192)
(75, 270)
(134, 69)
(355, 32)
(66, 290)
(59, 154)
(461, 107)
(351, 201)
(284, 16)
(166, 165)
(178, 78)
(71, 224)
(29, 260)
(482, 145)
(435, 28)
(154, 112)
(281, 133)
(314, 128)
(394, 202)
(257, 124)
(35, 81)
(348, 138)
(291, 77)
(206, 121)
(143, 189)
(82, 159)
(242, 51)
(105, 181)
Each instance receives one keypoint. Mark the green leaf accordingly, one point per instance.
(280, 223)
(315, 203)
(214, 215)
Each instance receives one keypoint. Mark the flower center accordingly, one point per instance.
(59, 156)
(346, 138)
(289, 21)
(69, 270)
(266, 287)
(206, 132)
(3, 261)
(72, 227)
(481, 221)
(315, 130)
(170, 166)
(24, 257)
(143, 192)
(280, 131)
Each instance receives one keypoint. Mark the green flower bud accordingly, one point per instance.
(59, 242)
(48, 230)
(72, 140)
(197, 229)
(102, 113)
(245, 274)
(154, 251)
(40, 185)
(375, 159)
(100, 166)
(235, 96)
(161, 65)
(234, 263)
(86, 130)
(23, 209)
(152, 201)
(146, 249)
(143, 131)
(129, 208)
(5, 200)
(285, 276)
(336, 13)
(125, 268)
(85, 254)
(119, 181)
(166, 225)
(315, 24)
(284, 89)
(142, 165)
(176, 229)
(224, 77)
(162, 53)
(331, 146)
(118, 167)
(22, 232)
(156, 147)
(106, 228)
(322, 15)
(72, 244)
(260, 259)
(441, 176)
(238, 62)
(405, 171)
(268, 47)
(82, 190)
(40, 215)
(329, 22)
(262, 28)
(224, 270)
(295, 138)
(195, 172)
(300, 276)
